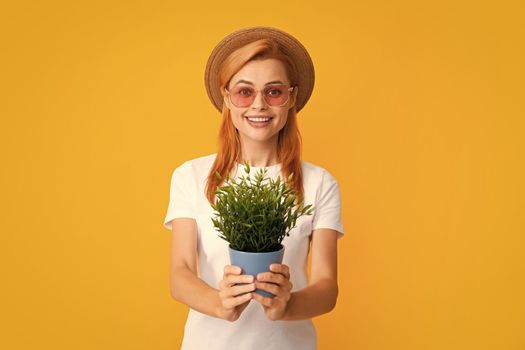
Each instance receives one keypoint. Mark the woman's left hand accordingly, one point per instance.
(277, 282)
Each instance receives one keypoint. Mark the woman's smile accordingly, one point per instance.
(259, 122)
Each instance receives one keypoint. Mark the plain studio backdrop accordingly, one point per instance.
(417, 111)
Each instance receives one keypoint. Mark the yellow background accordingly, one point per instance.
(417, 111)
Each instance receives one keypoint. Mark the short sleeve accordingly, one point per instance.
(181, 204)
(327, 208)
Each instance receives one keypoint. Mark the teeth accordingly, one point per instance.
(259, 119)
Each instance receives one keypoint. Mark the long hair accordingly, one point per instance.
(289, 144)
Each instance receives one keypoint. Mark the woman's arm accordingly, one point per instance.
(228, 302)
(186, 286)
(320, 296)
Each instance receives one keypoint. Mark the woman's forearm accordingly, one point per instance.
(189, 289)
(316, 299)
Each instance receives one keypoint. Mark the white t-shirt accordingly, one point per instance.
(252, 330)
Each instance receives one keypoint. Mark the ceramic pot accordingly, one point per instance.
(255, 263)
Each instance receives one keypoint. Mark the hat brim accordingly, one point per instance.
(289, 45)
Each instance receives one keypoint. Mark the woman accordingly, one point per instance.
(258, 78)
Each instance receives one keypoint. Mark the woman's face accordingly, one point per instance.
(256, 75)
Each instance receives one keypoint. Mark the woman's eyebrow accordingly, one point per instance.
(250, 83)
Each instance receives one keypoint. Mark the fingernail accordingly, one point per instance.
(249, 278)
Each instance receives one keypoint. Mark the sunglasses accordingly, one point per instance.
(275, 95)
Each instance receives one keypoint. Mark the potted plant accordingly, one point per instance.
(254, 216)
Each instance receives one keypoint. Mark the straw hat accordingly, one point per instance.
(288, 44)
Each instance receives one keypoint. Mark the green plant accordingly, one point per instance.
(255, 216)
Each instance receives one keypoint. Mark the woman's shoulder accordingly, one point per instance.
(313, 170)
(197, 165)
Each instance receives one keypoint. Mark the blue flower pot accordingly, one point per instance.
(255, 263)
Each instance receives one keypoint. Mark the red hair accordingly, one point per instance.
(289, 142)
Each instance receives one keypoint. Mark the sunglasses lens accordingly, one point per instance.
(274, 95)
(242, 96)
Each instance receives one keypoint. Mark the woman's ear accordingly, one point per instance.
(226, 101)
(294, 96)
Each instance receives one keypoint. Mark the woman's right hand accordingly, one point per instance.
(233, 304)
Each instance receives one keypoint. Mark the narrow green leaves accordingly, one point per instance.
(255, 215)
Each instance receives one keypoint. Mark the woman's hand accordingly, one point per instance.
(232, 303)
(277, 282)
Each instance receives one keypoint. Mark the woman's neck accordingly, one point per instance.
(259, 154)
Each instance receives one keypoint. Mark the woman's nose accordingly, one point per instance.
(259, 101)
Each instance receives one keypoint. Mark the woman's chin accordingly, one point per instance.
(257, 135)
